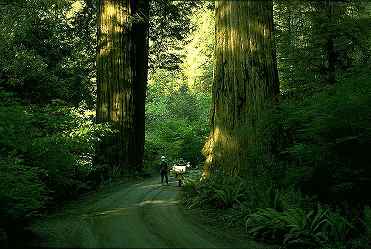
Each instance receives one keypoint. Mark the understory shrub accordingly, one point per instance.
(46, 156)
(298, 228)
(216, 191)
(21, 191)
(324, 140)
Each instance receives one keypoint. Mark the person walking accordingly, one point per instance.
(164, 170)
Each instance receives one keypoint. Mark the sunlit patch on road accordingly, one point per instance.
(158, 202)
(115, 211)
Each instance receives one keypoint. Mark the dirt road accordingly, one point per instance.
(137, 215)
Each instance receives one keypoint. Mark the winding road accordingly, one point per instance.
(137, 215)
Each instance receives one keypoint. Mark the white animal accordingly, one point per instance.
(179, 168)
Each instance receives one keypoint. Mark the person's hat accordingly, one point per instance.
(162, 157)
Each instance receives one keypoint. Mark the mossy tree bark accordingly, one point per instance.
(245, 83)
(122, 62)
(330, 48)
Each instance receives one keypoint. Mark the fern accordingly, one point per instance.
(367, 222)
(293, 227)
(339, 227)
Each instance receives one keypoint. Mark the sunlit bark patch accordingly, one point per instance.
(122, 75)
(245, 79)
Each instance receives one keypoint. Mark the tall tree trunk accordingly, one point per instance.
(245, 82)
(324, 33)
(330, 48)
(122, 61)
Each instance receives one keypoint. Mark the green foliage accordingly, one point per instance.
(312, 146)
(178, 100)
(176, 124)
(305, 31)
(42, 56)
(296, 227)
(306, 228)
(367, 224)
(21, 190)
(319, 154)
(265, 222)
(321, 149)
(46, 155)
(216, 191)
(340, 227)
(48, 149)
(197, 67)
(326, 135)
(169, 25)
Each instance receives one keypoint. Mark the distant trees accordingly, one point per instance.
(122, 77)
(178, 98)
(318, 40)
(43, 56)
(245, 82)
(170, 24)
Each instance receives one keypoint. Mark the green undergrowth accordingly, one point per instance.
(46, 157)
(275, 217)
(313, 192)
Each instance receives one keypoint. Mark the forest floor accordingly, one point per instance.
(140, 214)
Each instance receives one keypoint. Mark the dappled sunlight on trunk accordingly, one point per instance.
(245, 82)
(122, 56)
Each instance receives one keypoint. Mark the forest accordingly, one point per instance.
(269, 102)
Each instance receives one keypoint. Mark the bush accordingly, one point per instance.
(21, 191)
(46, 156)
(325, 139)
(216, 191)
(296, 227)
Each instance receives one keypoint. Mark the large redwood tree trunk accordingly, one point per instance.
(245, 83)
(122, 61)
